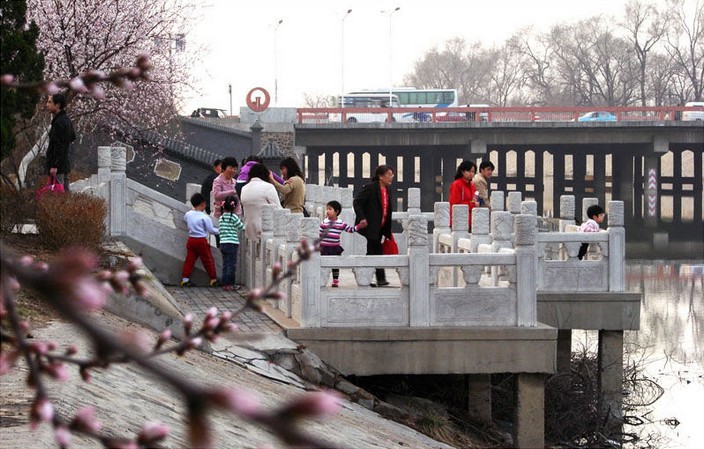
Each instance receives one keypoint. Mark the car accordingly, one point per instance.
(451, 117)
(695, 115)
(209, 113)
(597, 116)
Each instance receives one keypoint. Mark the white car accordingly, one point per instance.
(696, 115)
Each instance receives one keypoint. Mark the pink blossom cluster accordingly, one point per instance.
(74, 286)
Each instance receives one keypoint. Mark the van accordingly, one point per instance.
(483, 115)
(696, 115)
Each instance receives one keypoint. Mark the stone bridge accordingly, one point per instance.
(502, 299)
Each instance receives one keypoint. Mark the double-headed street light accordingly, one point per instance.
(342, 53)
(276, 71)
(391, 13)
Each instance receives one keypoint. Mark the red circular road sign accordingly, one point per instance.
(254, 99)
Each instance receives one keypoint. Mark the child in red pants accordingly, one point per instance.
(197, 246)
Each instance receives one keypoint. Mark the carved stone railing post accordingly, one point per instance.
(419, 271)
(498, 201)
(118, 191)
(501, 230)
(526, 276)
(480, 228)
(413, 201)
(310, 277)
(460, 230)
(267, 236)
(617, 247)
(567, 205)
(442, 222)
(514, 202)
(104, 164)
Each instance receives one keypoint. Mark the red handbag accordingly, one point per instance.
(52, 186)
(389, 247)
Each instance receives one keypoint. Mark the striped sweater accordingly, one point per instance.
(330, 231)
(229, 225)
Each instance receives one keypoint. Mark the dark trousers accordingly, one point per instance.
(374, 249)
(332, 251)
(583, 251)
(229, 262)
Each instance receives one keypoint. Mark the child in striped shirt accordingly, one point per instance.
(330, 231)
(230, 224)
(595, 216)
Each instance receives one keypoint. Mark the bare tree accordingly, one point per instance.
(455, 66)
(685, 43)
(315, 100)
(507, 76)
(645, 26)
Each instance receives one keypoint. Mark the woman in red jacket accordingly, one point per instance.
(462, 190)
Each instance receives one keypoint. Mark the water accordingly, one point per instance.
(669, 347)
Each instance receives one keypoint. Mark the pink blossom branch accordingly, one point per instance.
(87, 82)
(70, 288)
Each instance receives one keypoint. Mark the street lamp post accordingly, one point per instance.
(342, 53)
(229, 90)
(391, 13)
(276, 73)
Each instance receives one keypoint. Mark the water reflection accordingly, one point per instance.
(669, 348)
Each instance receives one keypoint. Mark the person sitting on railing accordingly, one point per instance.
(330, 231)
(595, 214)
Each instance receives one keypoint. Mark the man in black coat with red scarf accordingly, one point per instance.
(372, 206)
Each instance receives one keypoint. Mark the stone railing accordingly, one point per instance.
(150, 222)
(420, 298)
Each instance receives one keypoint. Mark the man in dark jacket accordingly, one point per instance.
(207, 184)
(372, 206)
(61, 134)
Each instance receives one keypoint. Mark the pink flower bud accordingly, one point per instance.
(7, 361)
(316, 404)
(165, 335)
(62, 436)
(42, 410)
(77, 84)
(240, 402)
(152, 432)
(97, 92)
(7, 79)
(211, 323)
(88, 294)
(226, 316)
(57, 371)
(85, 421)
(255, 293)
(26, 260)
(134, 264)
(137, 340)
(213, 311)
(194, 342)
(51, 88)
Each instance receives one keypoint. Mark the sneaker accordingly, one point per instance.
(383, 283)
(335, 282)
(214, 283)
(187, 284)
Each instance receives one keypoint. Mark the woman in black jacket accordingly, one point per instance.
(372, 207)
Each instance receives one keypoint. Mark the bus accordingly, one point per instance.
(410, 97)
(370, 101)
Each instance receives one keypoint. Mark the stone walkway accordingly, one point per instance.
(198, 300)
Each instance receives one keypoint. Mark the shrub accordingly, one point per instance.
(16, 207)
(75, 219)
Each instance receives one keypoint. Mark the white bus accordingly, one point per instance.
(410, 97)
(370, 101)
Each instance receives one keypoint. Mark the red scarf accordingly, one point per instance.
(384, 205)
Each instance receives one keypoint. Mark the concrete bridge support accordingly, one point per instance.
(529, 428)
(610, 361)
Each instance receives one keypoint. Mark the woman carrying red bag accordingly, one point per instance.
(372, 207)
